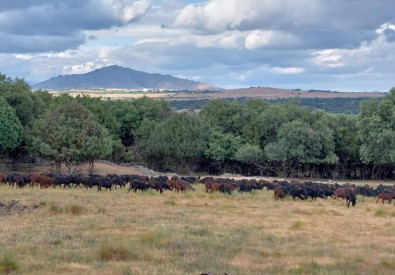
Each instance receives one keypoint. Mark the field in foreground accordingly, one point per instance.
(78, 231)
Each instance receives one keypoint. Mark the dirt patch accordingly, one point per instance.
(15, 207)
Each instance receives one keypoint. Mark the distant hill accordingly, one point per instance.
(117, 77)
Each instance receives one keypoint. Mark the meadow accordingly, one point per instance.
(79, 231)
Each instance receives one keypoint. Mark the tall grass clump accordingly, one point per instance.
(8, 264)
(107, 252)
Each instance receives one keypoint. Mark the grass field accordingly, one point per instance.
(78, 231)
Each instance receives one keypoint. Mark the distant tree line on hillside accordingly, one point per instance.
(251, 138)
(336, 105)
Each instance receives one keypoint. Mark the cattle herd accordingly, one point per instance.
(281, 188)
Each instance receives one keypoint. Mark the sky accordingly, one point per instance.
(338, 45)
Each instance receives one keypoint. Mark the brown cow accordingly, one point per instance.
(385, 197)
(182, 185)
(215, 187)
(278, 193)
(42, 180)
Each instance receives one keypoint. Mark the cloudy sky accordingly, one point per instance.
(343, 45)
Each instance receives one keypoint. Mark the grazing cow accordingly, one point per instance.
(312, 192)
(21, 181)
(279, 193)
(3, 179)
(385, 197)
(297, 192)
(181, 185)
(246, 188)
(65, 180)
(351, 198)
(340, 193)
(42, 180)
(104, 183)
(226, 187)
(139, 185)
(215, 187)
(156, 184)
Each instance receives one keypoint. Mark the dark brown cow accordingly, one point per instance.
(340, 193)
(385, 197)
(41, 180)
(3, 178)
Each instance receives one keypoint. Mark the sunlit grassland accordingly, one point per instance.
(78, 231)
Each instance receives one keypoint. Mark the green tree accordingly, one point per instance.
(69, 134)
(298, 143)
(18, 95)
(377, 133)
(11, 130)
(224, 115)
(222, 147)
(176, 143)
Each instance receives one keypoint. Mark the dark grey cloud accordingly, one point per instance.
(67, 18)
(39, 43)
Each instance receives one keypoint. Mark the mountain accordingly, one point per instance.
(117, 77)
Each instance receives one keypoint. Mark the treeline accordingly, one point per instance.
(254, 138)
(336, 105)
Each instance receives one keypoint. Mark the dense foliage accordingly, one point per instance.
(251, 138)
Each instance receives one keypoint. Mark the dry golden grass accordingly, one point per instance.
(78, 231)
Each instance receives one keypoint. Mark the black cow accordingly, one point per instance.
(246, 187)
(312, 192)
(104, 183)
(139, 185)
(297, 192)
(351, 198)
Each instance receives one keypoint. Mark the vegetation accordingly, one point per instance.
(169, 233)
(255, 137)
(337, 105)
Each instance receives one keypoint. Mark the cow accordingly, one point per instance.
(314, 193)
(226, 188)
(139, 185)
(42, 180)
(297, 192)
(181, 185)
(340, 193)
(246, 187)
(351, 198)
(3, 179)
(385, 197)
(104, 183)
(278, 193)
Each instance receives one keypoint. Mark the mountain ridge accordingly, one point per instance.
(118, 77)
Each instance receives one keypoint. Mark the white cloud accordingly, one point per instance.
(80, 68)
(289, 70)
(216, 15)
(263, 38)
(129, 10)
